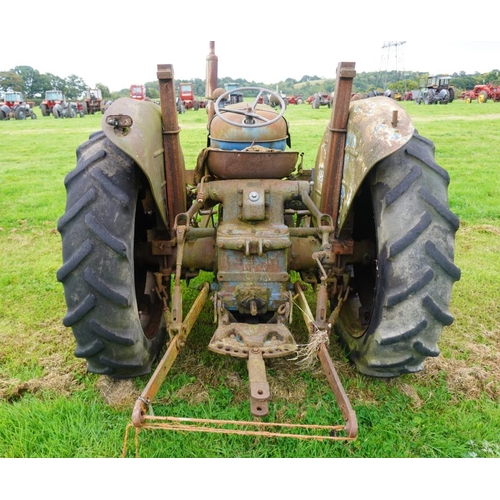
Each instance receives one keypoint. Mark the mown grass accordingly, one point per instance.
(50, 407)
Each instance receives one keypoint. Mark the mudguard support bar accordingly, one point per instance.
(144, 400)
(351, 424)
(334, 161)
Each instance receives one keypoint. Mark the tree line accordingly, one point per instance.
(33, 84)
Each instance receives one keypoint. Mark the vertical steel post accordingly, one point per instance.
(334, 160)
(174, 160)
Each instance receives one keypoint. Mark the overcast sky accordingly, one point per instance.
(118, 43)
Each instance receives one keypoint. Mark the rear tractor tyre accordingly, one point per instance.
(115, 315)
(57, 111)
(394, 317)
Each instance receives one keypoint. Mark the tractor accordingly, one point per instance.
(187, 99)
(436, 90)
(482, 93)
(138, 92)
(296, 99)
(320, 99)
(93, 101)
(14, 106)
(232, 94)
(359, 243)
(67, 109)
(52, 98)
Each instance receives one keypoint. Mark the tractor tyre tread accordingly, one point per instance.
(415, 251)
(97, 231)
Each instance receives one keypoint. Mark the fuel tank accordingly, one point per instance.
(225, 136)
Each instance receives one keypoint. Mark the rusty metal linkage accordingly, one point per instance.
(351, 426)
(259, 393)
(145, 399)
(236, 427)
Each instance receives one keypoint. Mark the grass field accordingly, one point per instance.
(50, 406)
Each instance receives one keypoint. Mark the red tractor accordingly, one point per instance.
(319, 99)
(137, 92)
(296, 99)
(482, 93)
(187, 99)
(93, 101)
(52, 97)
(12, 105)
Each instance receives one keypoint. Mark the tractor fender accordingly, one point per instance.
(142, 141)
(376, 128)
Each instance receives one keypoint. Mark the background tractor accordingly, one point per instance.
(137, 91)
(296, 99)
(187, 100)
(232, 94)
(52, 97)
(13, 105)
(67, 110)
(93, 101)
(320, 99)
(366, 228)
(482, 93)
(436, 90)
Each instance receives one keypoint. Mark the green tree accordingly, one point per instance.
(41, 85)
(11, 80)
(152, 90)
(29, 77)
(74, 87)
(465, 82)
(492, 77)
(55, 82)
(104, 90)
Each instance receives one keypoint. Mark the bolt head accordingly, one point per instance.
(254, 196)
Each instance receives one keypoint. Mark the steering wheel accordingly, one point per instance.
(249, 112)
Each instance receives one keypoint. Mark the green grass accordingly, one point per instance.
(49, 406)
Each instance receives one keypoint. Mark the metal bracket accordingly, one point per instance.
(259, 387)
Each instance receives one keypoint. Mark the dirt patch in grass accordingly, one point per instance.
(58, 378)
(118, 393)
(46, 349)
(481, 228)
(471, 378)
